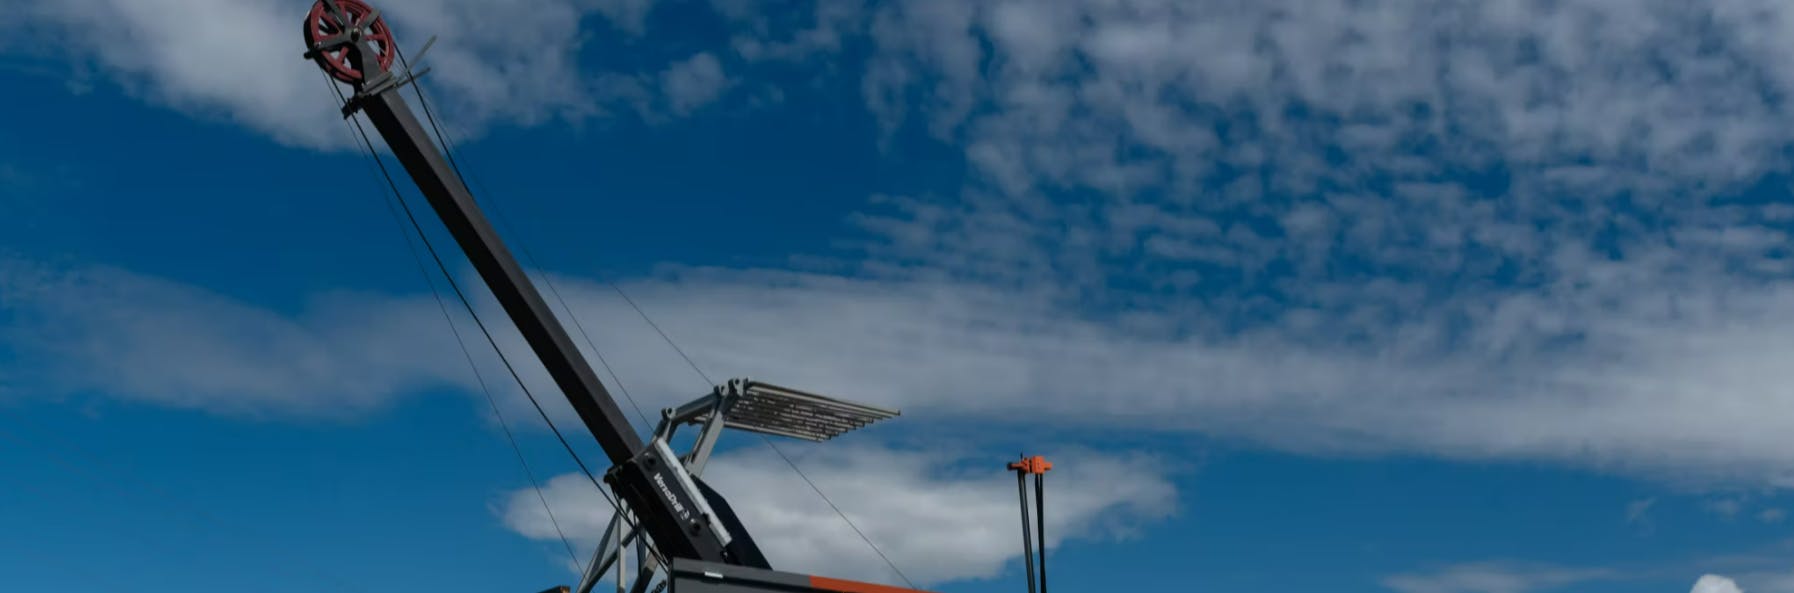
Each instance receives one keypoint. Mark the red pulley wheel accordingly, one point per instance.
(321, 24)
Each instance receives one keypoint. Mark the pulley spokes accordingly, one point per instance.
(333, 30)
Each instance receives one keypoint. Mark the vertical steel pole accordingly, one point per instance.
(1021, 488)
(1040, 512)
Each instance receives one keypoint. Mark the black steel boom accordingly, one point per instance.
(350, 41)
(546, 336)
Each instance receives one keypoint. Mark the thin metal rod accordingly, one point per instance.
(593, 571)
(1021, 488)
(644, 572)
(616, 555)
(1040, 513)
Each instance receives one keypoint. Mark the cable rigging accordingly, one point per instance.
(770, 444)
(448, 151)
(454, 163)
(467, 305)
(466, 353)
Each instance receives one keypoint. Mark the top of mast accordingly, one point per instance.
(333, 29)
(351, 42)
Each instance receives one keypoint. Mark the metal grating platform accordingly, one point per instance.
(781, 411)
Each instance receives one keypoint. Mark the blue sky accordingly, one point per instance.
(1463, 297)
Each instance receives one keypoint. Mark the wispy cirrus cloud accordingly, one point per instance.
(1255, 147)
(1526, 213)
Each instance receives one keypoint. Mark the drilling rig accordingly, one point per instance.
(698, 543)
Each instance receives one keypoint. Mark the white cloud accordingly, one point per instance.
(935, 517)
(130, 336)
(631, 16)
(1763, 571)
(1126, 126)
(767, 31)
(1642, 400)
(693, 82)
(1501, 212)
(1472, 230)
(511, 62)
(1535, 85)
(1683, 398)
(1584, 302)
(235, 66)
(1777, 579)
(1492, 577)
(1727, 508)
(579, 509)
(1712, 583)
(1772, 515)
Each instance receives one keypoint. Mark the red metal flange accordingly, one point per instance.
(322, 25)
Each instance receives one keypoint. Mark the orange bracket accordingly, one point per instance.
(1032, 465)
